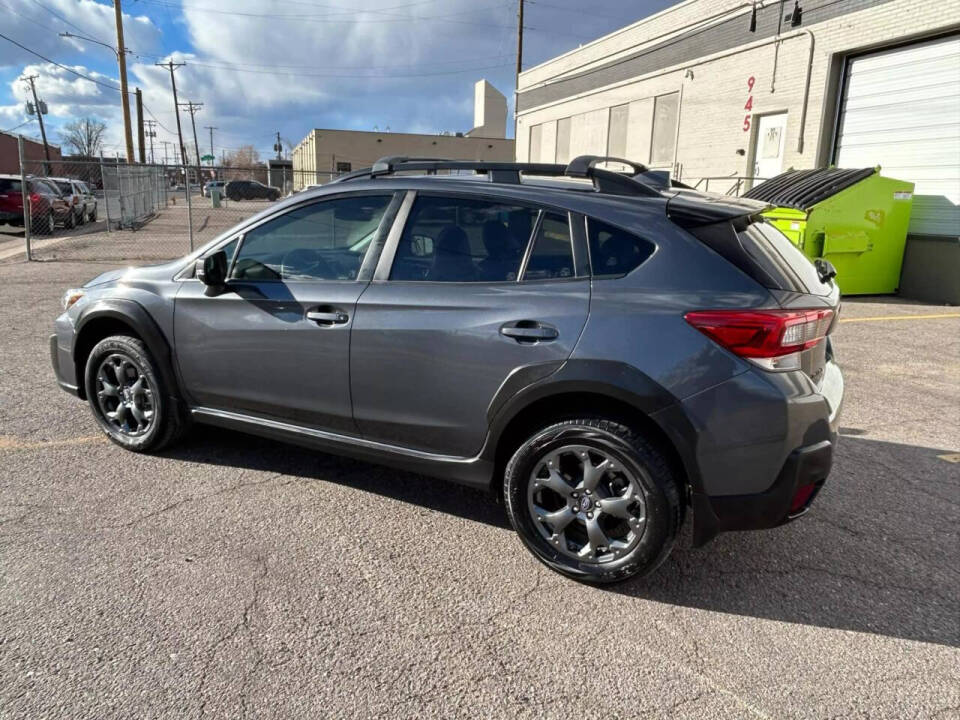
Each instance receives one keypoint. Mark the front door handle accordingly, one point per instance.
(327, 317)
(529, 331)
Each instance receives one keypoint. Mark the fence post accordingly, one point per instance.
(103, 184)
(186, 182)
(24, 193)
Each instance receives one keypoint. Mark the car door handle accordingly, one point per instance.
(333, 317)
(529, 331)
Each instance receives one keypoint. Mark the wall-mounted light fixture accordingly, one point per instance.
(797, 15)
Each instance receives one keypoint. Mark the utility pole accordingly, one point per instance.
(279, 147)
(519, 44)
(193, 108)
(166, 144)
(122, 60)
(211, 129)
(151, 133)
(140, 143)
(36, 106)
(171, 66)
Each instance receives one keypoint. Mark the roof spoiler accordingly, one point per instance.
(689, 208)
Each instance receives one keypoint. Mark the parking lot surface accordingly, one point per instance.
(232, 576)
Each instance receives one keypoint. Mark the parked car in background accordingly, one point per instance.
(88, 210)
(250, 190)
(47, 205)
(72, 194)
(213, 184)
(610, 358)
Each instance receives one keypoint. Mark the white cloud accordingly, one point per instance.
(330, 66)
(37, 25)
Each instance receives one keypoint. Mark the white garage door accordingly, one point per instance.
(901, 110)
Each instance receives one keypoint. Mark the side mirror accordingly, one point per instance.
(212, 270)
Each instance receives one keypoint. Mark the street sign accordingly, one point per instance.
(207, 158)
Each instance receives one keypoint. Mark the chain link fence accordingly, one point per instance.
(100, 209)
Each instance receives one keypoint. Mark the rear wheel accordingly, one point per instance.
(128, 396)
(45, 225)
(71, 221)
(594, 500)
(93, 214)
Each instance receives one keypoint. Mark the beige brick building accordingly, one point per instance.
(322, 154)
(711, 90)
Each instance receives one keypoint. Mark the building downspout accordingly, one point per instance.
(806, 91)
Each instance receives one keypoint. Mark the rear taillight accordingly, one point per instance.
(34, 198)
(770, 337)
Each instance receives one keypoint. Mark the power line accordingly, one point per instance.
(17, 127)
(60, 65)
(61, 17)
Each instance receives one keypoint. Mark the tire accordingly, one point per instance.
(640, 492)
(83, 217)
(92, 217)
(154, 420)
(71, 220)
(46, 225)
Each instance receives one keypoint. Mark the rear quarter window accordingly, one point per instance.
(615, 252)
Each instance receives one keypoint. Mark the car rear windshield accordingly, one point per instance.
(765, 254)
(8, 185)
(64, 186)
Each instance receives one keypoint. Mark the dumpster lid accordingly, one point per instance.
(802, 189)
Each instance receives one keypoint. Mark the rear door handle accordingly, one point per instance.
(323, 317)
(529, 331)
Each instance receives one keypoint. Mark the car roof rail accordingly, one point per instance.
(605, 181)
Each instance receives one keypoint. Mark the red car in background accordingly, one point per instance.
(47, 205)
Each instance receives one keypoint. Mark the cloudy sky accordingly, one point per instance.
(260, 66)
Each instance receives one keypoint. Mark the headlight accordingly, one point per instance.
(71, 296)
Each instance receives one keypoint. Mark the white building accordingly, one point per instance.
(733, 89)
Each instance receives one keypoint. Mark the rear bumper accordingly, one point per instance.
(753, 442)
(802, 476)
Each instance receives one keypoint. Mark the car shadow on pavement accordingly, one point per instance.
(213, 445)
(877, 552)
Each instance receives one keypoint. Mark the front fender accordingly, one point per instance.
(132, 314)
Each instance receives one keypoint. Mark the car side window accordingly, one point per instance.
(552, 253)
(452, 239)
(326, 240)
(615, 252)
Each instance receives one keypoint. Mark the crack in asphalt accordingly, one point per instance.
(243, 625)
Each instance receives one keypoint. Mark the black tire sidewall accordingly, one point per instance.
(659, 530)
(137, 352)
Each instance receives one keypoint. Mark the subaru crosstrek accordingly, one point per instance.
(609, 351)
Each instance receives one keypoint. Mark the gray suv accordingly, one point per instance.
(608, 351)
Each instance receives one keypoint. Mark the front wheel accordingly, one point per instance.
(593, 500)
(128, 395)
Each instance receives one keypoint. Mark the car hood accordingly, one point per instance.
(147, 272)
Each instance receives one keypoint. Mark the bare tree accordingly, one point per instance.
(84, 136)
(244, 164)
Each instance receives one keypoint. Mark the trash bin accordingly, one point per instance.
(215, 197)
(856, 219)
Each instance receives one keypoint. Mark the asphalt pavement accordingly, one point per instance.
(237, 577)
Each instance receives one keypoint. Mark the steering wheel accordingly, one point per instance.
(305, 262)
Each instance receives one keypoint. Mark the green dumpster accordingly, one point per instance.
(856, 219)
